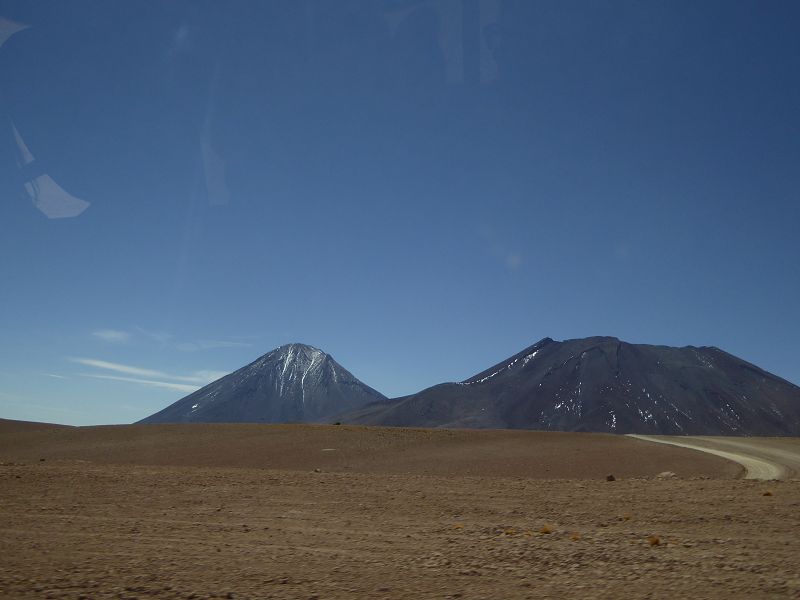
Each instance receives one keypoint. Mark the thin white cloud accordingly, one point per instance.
(208, 376)
(53, 375)
(119, 368)
(201, 377)
(181, 387)
(153, 377)
(112, 335)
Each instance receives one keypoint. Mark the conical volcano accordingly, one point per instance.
(293, 383)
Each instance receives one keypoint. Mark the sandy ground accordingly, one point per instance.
(104, 517)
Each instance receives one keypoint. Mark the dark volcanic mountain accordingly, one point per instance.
(293, 383)
(603, 384)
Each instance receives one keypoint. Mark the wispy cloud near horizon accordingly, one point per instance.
(151, 377)
(119, 368)
(180, 387)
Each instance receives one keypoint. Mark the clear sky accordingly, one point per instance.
(419, 188)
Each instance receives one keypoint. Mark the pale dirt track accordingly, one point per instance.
(762, 458)
(160, 513)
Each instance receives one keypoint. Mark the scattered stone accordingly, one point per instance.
(610, 478)
(666, 475)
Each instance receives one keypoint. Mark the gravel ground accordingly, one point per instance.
(78, 528)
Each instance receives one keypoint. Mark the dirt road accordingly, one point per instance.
(762, 458)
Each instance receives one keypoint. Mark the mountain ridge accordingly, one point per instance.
(604, 384)
(598, 384)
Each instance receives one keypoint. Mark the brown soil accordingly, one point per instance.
(239, 511)
(494, 453)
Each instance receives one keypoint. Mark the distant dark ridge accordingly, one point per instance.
(603, 384)
(10, 425)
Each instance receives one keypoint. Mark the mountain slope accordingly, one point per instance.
(604, 384)
(293, 383)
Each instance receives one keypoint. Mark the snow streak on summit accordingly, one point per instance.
(293, 383)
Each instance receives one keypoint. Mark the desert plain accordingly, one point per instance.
(305, 511)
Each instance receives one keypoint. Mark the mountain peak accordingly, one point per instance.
(295, 352)
(294, 382)
(297, 346)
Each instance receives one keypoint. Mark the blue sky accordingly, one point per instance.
(417, 199)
